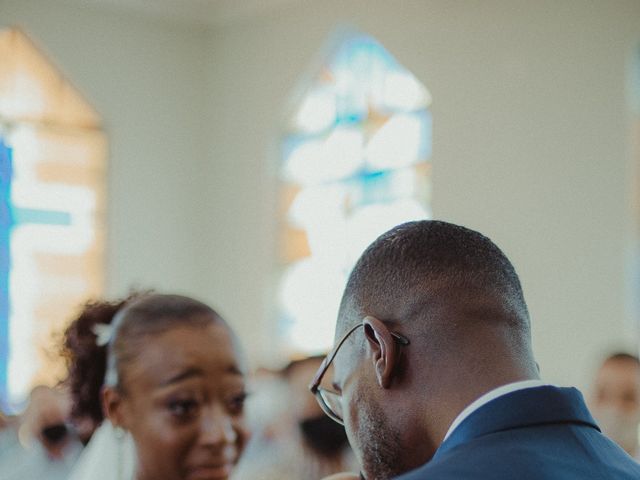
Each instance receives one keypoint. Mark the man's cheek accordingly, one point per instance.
(354, 423)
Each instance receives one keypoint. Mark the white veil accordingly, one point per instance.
(106, 456)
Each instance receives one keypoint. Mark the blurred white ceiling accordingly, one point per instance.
(201, 12)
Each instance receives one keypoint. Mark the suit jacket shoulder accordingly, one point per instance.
(534, 434)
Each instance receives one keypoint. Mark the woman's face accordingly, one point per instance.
(183, 404)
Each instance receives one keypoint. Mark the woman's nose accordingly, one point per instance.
(217, 428)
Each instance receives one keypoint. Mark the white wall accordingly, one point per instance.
(530, 147)
(147, 80)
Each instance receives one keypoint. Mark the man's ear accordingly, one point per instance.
(113, 407)
(382, 348)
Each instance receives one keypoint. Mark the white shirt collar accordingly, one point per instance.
(489, 396)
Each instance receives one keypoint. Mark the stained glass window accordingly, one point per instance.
(52, 171)
(355, 162)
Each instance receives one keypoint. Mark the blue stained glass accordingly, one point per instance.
(346, 118)
(357, 154)
(405, 139)
(6, 222)
(41, 217)
(358, 66)
(424, 146)
(9, 217)
(382, 186)
(373, 188)
(428, 134)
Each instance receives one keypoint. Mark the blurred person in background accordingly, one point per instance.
(324, 442)
(293, 439)
(47, 447)
(616, 400)
(8, 435)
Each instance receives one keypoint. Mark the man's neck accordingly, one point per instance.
(455, 402)
(488, 397)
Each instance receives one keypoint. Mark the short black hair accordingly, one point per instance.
(623, 357)
(418, 264)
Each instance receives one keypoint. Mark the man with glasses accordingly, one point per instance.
(433, 374)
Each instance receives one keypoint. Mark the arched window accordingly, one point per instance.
(52, 171)
(355, 162)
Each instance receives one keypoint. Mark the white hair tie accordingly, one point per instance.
(103, 333)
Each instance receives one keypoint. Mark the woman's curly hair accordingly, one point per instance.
(86, 360)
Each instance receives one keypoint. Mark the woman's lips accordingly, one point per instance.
(210, 472)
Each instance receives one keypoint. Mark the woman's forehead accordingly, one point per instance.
(210, 349)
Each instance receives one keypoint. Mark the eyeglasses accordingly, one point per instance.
(329, 400)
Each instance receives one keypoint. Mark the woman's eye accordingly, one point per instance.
(183, 408)
(237, 403)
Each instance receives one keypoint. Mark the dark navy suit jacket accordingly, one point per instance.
(539, 433)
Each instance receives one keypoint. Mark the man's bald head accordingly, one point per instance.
(425, 270)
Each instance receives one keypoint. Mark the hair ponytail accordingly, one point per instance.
(86, 358)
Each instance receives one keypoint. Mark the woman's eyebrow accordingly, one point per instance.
(184, 375)
(233, 368)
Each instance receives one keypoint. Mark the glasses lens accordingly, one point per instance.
(331, 403)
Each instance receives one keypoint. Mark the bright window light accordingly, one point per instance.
(52, 170)
(397, 143)
(317, 112)
(402, 91)
(357, 163)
